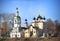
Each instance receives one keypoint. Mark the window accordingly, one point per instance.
(25, 32)
(34, 32)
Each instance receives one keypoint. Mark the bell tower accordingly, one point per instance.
(17, 23)
(17, 19)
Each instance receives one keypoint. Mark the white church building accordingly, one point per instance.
(17, 21)
(32, 30)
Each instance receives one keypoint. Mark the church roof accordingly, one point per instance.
(44, 18)
(24, 28)
(39, 17)
(25, 19)
(34, 18)
(17, 16)
(17, 8)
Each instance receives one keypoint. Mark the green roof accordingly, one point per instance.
(18, 16)
(6, 35)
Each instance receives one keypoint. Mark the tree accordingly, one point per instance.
(5, 23)
(57, 24)
(51, 26)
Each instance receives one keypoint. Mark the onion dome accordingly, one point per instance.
(26, 23)
(16, 8)
(34, 18)
(44, 18)
(39, 17)
(25, 19)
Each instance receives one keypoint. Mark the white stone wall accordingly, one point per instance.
(13, 35)
(40, 25)
(27, 34)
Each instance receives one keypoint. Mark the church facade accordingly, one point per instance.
(28, 31)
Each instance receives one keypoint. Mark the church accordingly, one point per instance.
(17, 21)
(35, 29)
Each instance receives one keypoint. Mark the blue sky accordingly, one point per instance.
(32, 8)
